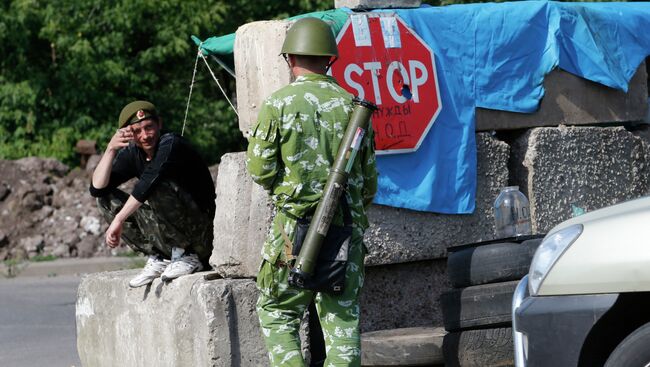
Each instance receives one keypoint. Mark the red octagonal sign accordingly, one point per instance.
(384, 61)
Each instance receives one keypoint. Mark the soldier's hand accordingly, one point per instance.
(121, 138)
(113, 234)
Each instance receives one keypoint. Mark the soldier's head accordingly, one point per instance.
(309, 46)
(142, 119)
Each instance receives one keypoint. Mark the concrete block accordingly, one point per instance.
(376, 4)
(571, 100)
(418, 346)
(260, 68)
(565, 170)
(188, 322)
(403, 295)
(395, 235)
(242, 219)
(401, 235)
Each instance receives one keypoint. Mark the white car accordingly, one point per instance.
(586, 299)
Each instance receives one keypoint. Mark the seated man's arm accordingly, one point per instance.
(102, 174)
(114, 231)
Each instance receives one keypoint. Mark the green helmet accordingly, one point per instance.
(310, 36)
(135, 112)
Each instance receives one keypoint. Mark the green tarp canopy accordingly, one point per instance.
(221, 47)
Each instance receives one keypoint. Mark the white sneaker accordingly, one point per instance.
(152, 270)
(181, 264)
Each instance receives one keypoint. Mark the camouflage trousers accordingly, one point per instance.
(169, 218)
(280, 306)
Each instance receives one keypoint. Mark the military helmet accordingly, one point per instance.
(135, 112)
(310, 36)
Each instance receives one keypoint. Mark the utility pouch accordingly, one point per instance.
(329, 273)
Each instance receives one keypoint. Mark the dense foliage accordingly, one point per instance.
(69, 66)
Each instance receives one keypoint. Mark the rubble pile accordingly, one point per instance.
(47, 212)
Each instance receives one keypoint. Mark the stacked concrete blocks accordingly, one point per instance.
(241, 222)
(260, 68)
(188, 322)
(395, 235)
(566, 170)
(572, 100)
(401, 235)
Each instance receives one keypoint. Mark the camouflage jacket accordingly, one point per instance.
(294, 143)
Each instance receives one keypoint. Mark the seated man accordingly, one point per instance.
(169, 213)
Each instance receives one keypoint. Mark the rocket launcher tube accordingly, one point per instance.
(336, 181)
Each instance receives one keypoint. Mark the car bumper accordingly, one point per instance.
(551, 330)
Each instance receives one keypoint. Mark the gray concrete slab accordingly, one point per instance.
(241, 222)
(260, 68)
(187, 322)
(402, 235)
(417, 346)
(566, 170)
(403, 295)
(571, 100)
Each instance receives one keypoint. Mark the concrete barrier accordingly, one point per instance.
(188, 322)
(403, 295)
(419, 346)
(395, 235)
(572, 100)
(242, 219)
(260, 68)
(402, 235)
(566, 170)
(195, 322)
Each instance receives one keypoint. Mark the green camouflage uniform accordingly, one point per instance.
(162, 222)
(291, 149)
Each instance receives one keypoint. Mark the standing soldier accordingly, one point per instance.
(169, 213)
(291, 149)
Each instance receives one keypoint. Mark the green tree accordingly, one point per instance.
(68, 67)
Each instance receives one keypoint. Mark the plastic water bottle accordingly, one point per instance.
(512, 213)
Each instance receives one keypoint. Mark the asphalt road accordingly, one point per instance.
(37, 322)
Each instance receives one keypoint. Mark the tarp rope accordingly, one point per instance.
(189, 97)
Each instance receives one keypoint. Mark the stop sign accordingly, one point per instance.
(384, 61)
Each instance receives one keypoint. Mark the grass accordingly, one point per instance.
(42, 258)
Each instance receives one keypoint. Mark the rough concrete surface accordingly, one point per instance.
(567, 169)
(241, 222)
(395, 235)
(401, 235)
(188, 322)
(403, 295)
(260, 68)
(376, 4)
(571, 100)
(417, 346)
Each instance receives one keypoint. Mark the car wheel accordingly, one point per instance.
(479, 348)
(487, 305)
(633, 351)
(497, 262)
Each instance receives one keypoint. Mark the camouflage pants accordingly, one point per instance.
(280, 306)
(169, 218)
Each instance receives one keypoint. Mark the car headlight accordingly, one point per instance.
(548, 252)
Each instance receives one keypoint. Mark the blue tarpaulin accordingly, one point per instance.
(496, 56)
